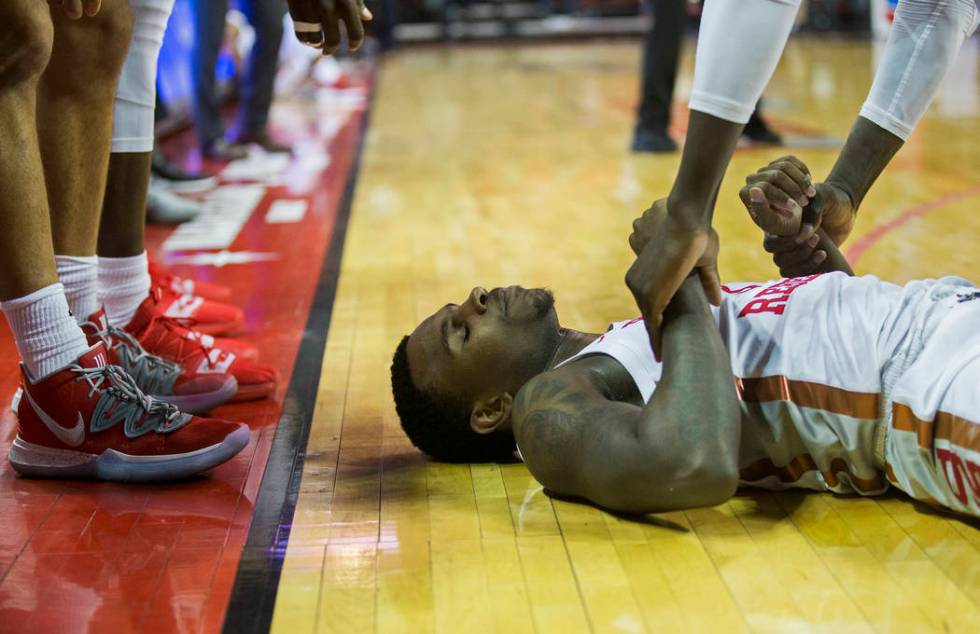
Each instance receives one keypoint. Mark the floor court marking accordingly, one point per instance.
(868, 240)
(253, 596)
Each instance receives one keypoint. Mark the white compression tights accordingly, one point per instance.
(741, 42)
(132, 120)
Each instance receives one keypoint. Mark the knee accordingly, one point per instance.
(25, 48)
(97, 44)
(116, 33)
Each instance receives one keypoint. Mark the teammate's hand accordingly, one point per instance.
(793, 258)
(646, 224)
(776, 197)
(666, 253)
(782, 200)
(317, 22)
(75, 9)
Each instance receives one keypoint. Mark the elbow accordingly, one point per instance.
(700, 486)
(719, 487)
(718, 474)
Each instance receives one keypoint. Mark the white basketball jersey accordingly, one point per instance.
(813, 359)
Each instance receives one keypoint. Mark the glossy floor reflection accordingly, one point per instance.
(509, 165)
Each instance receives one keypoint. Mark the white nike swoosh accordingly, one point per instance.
(72, 437)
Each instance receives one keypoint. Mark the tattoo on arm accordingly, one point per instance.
(551, 413)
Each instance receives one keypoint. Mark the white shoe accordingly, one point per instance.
(167, 208)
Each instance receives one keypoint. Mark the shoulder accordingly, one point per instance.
(550, 418)
(563, 389)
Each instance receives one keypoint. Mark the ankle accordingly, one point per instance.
(46, 335)
(123, 285)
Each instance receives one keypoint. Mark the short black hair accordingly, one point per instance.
(442, 430)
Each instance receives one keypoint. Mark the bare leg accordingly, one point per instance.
(123, 223)
(26, 256)
(75, 120)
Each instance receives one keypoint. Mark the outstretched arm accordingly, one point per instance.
(923, 44)
(679, 451)
(739, 45)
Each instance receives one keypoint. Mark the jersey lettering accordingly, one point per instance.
(961, 475)
(744, 289)
(773, 298)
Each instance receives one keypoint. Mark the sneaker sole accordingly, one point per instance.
(36, 461)
(201, 402)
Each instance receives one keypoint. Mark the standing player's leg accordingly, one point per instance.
(46, 336)
(123, 272)
(70, 418)
(209, 29)
(124, 279)
(75, 99)
(260, 75)
(661, 53)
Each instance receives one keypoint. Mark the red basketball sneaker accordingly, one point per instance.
(203, 315)
(161, 276)
(89, 420)
(163, 380)
(197, 353)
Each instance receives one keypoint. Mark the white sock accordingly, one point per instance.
(47, 336)
(80, 277)
(123, 285)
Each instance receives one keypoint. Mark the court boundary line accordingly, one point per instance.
(253, 595)
(863, 244)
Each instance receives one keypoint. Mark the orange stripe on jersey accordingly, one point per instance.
(904, 420)
(960, 431)
(839, 466)
(955, 429)
(789, 473)
(806, 394)
(803, 464)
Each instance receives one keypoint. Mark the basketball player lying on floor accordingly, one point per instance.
(843, 384)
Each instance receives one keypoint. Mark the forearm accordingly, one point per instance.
(728, 81)
(868, 150)
(708, 149)
(922, 46)
(835, 259)
(694, 410)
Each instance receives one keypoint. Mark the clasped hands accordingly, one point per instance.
(780, 198)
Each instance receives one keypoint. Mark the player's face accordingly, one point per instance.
(491, 343)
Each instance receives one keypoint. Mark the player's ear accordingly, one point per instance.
(490, 413)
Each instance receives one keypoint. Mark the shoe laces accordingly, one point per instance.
(153, 372)
(114, 381)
